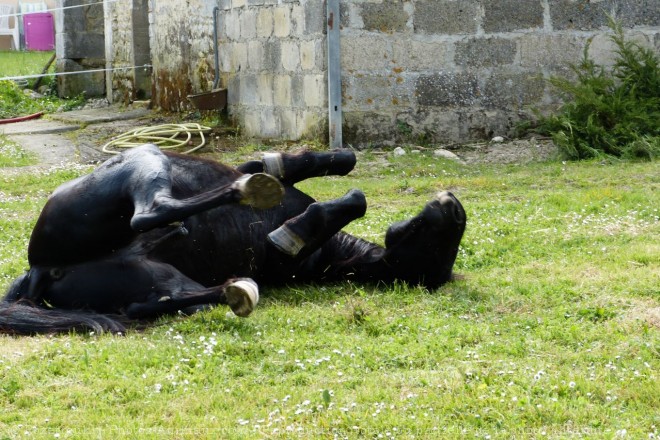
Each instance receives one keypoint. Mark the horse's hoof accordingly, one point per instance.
(286, 241)
(242, 296)
(260, 190)
(273, 164)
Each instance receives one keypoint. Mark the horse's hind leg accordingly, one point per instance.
(301, 235)
(241, 295)
(150, 182)
(292, 168)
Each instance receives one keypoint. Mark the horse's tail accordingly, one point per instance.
(22, 317)
(19, 318)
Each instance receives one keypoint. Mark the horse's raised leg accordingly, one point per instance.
(303, 234)
(150, 187)
(421, 250)
(241, 295)
(292, 168)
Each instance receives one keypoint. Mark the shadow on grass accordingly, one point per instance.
(361, 305)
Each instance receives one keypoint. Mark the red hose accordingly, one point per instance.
(21, 118)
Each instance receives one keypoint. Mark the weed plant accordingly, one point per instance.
(610, 111)
(15, 102)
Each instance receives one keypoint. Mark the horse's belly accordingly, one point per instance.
(230, 241)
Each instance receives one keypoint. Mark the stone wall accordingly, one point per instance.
(435, 70)
(174, 37)
(127, 44)
(80, 46)
(271, 54)
(461, 70)
(119, 51)
(181, 51)
(272, 61)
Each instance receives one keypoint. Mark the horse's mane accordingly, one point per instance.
(351, 249)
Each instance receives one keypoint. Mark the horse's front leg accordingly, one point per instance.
(421, 250)
(241, 295)
(300, 236)
(291, 168)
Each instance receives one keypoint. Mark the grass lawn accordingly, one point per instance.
(12, 155)
(552, 332)
(19, 63)
(14, 101)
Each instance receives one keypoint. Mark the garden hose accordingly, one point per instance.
(166, 136)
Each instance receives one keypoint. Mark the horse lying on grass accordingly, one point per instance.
(150, 233)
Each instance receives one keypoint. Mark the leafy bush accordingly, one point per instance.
(14, 102)
(610, 112)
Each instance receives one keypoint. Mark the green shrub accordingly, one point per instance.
(15, 102)
(611, 111)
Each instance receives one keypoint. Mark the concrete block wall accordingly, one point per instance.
(461, 70)
(272, 62)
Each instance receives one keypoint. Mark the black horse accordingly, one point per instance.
(150, 233)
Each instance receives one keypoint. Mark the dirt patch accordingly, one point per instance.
(13, 349)
(78, 136)
(652, 317)
(519, 151)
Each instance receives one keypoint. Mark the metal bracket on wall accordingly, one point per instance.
(334, 75)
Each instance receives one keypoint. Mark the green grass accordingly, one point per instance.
(12, 155)
(551, 333)
(24, 63)
(14, 101)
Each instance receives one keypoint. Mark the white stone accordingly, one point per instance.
(446, 154)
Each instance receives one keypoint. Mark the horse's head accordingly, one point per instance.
(423, 249)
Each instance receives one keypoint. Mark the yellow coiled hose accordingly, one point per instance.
(165, 136)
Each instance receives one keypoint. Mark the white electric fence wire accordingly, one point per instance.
(110, 69)
(18, 14)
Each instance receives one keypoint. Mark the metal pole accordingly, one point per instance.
(334, 75)
(216, 60)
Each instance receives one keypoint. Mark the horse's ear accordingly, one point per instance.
(17, 288)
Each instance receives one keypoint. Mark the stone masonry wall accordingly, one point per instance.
(80, 46)
(272, 61)
(412, 70)
(181, 51)
(127, 45)
(119, 50)
(460, 70)
(174, 37)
